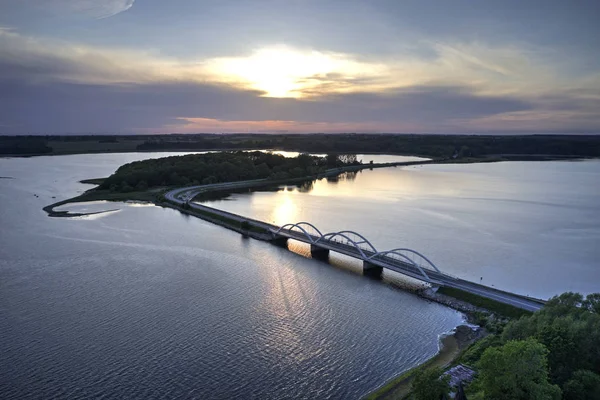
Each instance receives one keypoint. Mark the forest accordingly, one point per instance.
(551, 354)
(438, 146)
(427, 145)
(196, 169)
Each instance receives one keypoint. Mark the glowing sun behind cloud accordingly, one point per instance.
(285, 72)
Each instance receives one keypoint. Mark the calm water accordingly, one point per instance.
(529, 227)
(148, 303)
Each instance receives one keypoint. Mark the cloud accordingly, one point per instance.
(60, 107)
(193, 125)
(96, 9)
(40, 59)
(48, 86)
(282, 71)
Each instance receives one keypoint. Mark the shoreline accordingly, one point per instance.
(450, 347)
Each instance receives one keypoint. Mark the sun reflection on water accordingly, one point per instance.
(286, 209)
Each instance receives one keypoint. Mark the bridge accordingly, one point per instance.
(402, 260)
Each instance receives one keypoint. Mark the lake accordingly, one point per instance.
(148, 303)
(528, 227)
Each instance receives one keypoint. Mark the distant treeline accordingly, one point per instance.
(438, 146)
(24, 145)
(195, 169)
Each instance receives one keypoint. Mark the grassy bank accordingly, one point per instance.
(239, 226)
(494, 306)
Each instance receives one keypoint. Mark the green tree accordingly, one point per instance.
(262, 170)
(125, 187)
(517, 371)
(305, 160)
(474, 352)
(584, 385)
(209, 180)
(332, 160)
(429, 385)
(569, 329)
(592, 302)
(141, 186)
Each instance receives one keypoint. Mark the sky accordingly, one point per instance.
(299, 66)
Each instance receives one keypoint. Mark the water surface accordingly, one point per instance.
(528, 227)
(148, 303)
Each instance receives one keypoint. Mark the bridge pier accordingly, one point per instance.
(319, 253)
(280, 241)
(372, 270)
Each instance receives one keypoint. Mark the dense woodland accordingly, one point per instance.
(425, 145)
(195, 169)
(551, 354)
(438, 146)
(24, 145)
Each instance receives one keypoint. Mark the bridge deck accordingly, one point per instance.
(433, 277)
(361, 249)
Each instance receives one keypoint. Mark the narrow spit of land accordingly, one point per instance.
(135, 182)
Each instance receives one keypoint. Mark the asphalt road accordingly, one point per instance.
(434, 277)
(184, 195)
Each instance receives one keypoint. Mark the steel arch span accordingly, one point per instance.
(362, 240)
(363, 246)
(300, 226)
(414, 252)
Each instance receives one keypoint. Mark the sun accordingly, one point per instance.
(281, 71)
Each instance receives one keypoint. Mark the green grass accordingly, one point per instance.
(228, 221)
(483, 302)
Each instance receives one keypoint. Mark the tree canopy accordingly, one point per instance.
(517, 371)
(569, 326)
(557, 346)
(584, 385)
(430, 385)
(196, 169)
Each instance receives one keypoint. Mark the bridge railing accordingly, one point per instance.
(365, 248)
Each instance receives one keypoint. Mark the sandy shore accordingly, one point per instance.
(451, 346)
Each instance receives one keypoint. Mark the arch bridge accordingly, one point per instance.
(404, 260)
